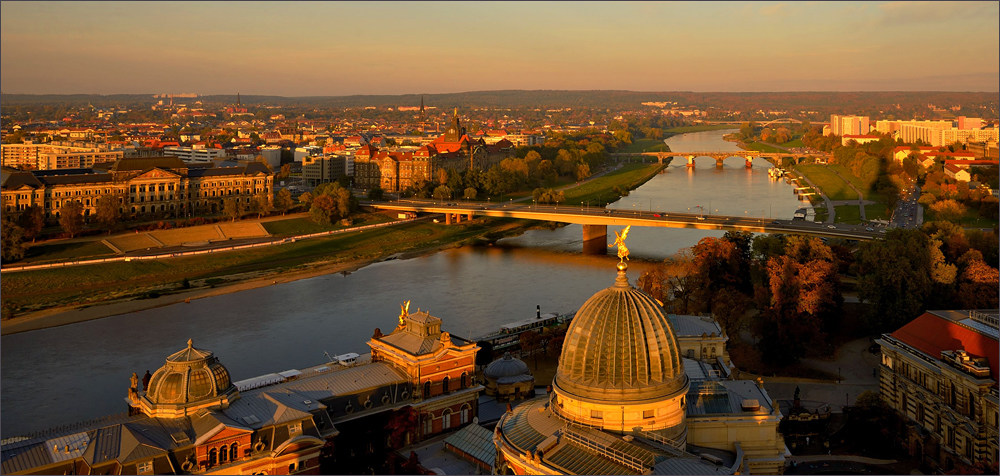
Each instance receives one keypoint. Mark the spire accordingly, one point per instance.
(238, 104)
(421, 104)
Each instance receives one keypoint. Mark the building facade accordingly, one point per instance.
(849, 125)
(141, 186)
(939, 373)
(52, 157)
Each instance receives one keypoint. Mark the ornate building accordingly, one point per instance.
(190, 418)
(508, 378)
(141, 186)
(394, 171)
(625, 401)
(939, 372)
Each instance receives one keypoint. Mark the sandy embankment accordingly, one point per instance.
(70, 315)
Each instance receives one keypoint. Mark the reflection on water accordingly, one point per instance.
(66, 374)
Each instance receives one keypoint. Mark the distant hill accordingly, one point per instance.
(836, 102)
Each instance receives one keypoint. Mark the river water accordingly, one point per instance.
(66, 374)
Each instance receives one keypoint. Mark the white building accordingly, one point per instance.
(272, 154)
(192, 154)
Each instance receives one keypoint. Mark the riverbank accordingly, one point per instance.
(225, 284)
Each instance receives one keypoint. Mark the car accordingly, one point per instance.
(831, 227)
(657, 215)
(869, 228)
(881, 231)
(701, 218)
(775, 222)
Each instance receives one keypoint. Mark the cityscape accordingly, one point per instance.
(500, 238)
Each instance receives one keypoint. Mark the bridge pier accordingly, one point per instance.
(447, 218)
(719, 162)
(749, 161)
(690, 161)
(595, 239)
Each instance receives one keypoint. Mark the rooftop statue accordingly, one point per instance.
(404, 310)
(620, 243)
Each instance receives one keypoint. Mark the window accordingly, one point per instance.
(144, 467)
(295, 428)
(597, 414)
(213, 456)
(465, 378)
(446, 417)
(223, 455)
(234, 452)
(291, 468)
(648, 413)
(444, 385)
(427, 389)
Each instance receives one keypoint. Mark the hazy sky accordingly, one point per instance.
(311, 48)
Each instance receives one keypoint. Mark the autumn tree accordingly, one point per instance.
(894, 277)
(71, 218)
(323, 209)
(470, 193)
(442, 192)
(108, 214)
(977, 286)
(262, 204)
(12, 239)
(32, 221)
(376, 194)
(948, 210)
(283, 200)
(286, 171)
(233, 209)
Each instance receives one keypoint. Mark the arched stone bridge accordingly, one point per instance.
(720, 157)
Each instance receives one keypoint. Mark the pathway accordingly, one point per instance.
(861, 197)
(831, 213)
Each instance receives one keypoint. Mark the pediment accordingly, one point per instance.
(157, 173)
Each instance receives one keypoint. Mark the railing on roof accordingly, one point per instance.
(617, 456)
(657, 438)
(58, 430)
(991, 319)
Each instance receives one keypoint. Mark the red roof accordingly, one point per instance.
(931, 334)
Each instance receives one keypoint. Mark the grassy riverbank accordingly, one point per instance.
(73, 286)
(600, 191)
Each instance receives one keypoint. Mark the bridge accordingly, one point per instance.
(595, 220)
(720, 157)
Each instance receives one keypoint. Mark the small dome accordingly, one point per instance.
(506, 367)
(620, 347)
(189, 376)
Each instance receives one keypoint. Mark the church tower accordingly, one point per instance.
(455, 131)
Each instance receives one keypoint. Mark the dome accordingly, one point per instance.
(620, 347)
(188, 377)
(507, 368)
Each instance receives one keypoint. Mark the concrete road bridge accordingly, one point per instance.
(595, 220)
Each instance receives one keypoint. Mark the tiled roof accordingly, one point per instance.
(932, 334)
(476, 441)
(693, 325)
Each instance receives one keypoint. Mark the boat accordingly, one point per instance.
(509, 334)
(775, 172)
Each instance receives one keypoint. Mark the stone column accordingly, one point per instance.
(595, 239)
(447, 218)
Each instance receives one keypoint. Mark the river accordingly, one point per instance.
(66, 374)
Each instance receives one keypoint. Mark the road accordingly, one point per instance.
(602, 216)
(908, 213)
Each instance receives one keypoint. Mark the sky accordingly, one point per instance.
(348, 48)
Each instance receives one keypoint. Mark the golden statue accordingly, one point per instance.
(620, 243)
(404, 310)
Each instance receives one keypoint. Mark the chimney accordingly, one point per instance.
(538, 312)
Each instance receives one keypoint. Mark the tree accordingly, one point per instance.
(376, 194)
(286, 171)
(470, 193)
(108, 214)
(530, 344)
(32, 221)
(283, 200)
(948, 210)
(306, 199)
(729, 310)
(71, 217)
(323, 208)
(977, 287)
(442, 192)
(263, 160)
(894, 277)
(262, 204)
(232, 209)
(12, 239)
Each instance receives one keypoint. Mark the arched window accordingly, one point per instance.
(234, 450)
(427, 389)
(465, 380)
(446, 419)
(223, 455)
(212, 456)
(444, 385)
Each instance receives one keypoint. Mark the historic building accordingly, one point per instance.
(508, 378)
(939, 372)
(189, 417)
(394, 171)
(626, 401)
(141, 186)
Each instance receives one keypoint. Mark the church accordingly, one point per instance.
(625, 401)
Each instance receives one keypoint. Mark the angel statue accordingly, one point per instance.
(404, 310)
(620, 243)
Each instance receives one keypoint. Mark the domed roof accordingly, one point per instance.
(189, 376)
(507, 366)
(620, 347)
